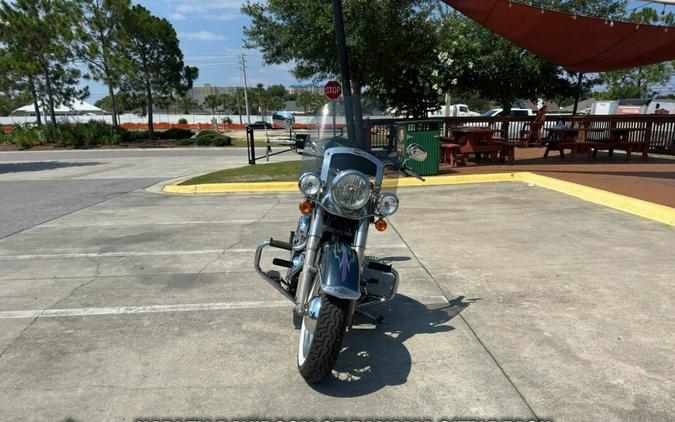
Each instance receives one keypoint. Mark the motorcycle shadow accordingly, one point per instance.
(375, 356)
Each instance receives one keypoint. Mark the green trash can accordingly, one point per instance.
(425, 133)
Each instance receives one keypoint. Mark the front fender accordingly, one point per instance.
(340, 271)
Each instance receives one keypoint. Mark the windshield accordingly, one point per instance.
(369, 146)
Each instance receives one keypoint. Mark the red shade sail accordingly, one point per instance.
(579, 43)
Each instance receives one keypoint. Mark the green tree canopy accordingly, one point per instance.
(38, 41)
(154, 61)
(212, 102)
(476, 59)
(380, 36)
(100, 37)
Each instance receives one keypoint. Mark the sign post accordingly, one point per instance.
(333, 90)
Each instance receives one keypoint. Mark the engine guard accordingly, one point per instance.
(340, 271)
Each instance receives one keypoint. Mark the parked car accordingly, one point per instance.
(260, 124)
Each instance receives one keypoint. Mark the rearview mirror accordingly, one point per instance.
(416, 152)
(284, 118)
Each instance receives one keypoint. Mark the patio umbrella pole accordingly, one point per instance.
(344, 66)
(576, 99)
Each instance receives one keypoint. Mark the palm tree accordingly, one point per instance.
(186, 104)
(304, 100)
(212, 102)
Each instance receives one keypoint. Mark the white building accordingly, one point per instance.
(76, 108)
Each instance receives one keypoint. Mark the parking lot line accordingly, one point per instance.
(146, 309)
(152, 309)
(146, 253)
(115, 254)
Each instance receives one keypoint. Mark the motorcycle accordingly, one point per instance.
(347, 185)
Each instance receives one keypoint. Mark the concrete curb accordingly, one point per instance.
(648, 210)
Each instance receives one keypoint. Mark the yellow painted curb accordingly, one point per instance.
(649, 210)
(645, 209)
(233, 187)
(293, 186)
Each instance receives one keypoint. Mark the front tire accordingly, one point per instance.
(318, 352)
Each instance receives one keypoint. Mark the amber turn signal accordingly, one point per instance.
(381, 225)
(305, 207)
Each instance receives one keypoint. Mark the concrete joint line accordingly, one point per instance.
(473, 332)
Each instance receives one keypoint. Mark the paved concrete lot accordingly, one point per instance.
(515, 302)
(37, 186)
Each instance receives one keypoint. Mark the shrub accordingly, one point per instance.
(175, 133)
(227, 120)
(68, 138)
(211, 137)
(139, 134)
(204, 140)
(27, 136)
(124, 135)
(185, 142)
(221, 141)
(182, 121)
(207, 132)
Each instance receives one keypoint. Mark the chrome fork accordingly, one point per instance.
(309, 267)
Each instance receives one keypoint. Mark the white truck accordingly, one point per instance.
(456, 110)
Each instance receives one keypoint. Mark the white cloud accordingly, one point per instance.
(177, 16)
(223, 17)
(201, 35)
(201, 7)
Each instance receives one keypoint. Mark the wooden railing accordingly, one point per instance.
(659, 130)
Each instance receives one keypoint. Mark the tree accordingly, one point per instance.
(310, 101)
(641, 82)
(213, 102)
(476, 59)
(382, 37)
(185, 104)
(598, 8)
(125, 102)
(38, 37)
(277, 90)
(154, 59)
(100, 39)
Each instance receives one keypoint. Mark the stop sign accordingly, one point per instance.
(333, 90)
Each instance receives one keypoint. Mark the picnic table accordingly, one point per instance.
(474, 140)
(575, 139)
(619, 138)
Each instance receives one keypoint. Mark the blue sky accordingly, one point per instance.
(210, 34)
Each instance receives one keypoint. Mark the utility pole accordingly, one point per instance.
(243, 67)
(238, 106)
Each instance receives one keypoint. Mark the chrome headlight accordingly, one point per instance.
(351, 190)
(309, 184)
(387, 204)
